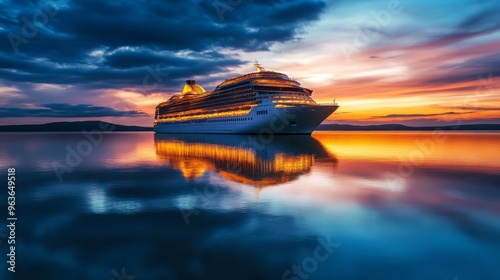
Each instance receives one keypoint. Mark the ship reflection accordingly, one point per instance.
(242, 158)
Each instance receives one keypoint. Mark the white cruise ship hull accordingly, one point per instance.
(299, 119)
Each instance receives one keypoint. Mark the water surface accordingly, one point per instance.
(333, 205)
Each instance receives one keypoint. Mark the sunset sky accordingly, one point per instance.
(409, 62)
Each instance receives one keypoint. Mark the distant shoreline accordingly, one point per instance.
(92, 125)
(72, 127)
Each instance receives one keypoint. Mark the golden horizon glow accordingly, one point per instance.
(416, 148)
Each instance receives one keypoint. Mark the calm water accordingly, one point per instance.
(329, 206)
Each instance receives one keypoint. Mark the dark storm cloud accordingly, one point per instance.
(120, 69)
(107, 42)
(127, 59)
(61, 110)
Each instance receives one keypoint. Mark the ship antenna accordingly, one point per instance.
(258, 67)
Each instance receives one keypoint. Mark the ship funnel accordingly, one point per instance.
(258, 67)
(192, 87)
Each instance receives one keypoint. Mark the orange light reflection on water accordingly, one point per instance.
(474, 150)
(235, 163)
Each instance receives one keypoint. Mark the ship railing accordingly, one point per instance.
(328, 104)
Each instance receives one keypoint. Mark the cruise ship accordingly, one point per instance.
(262, 102)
